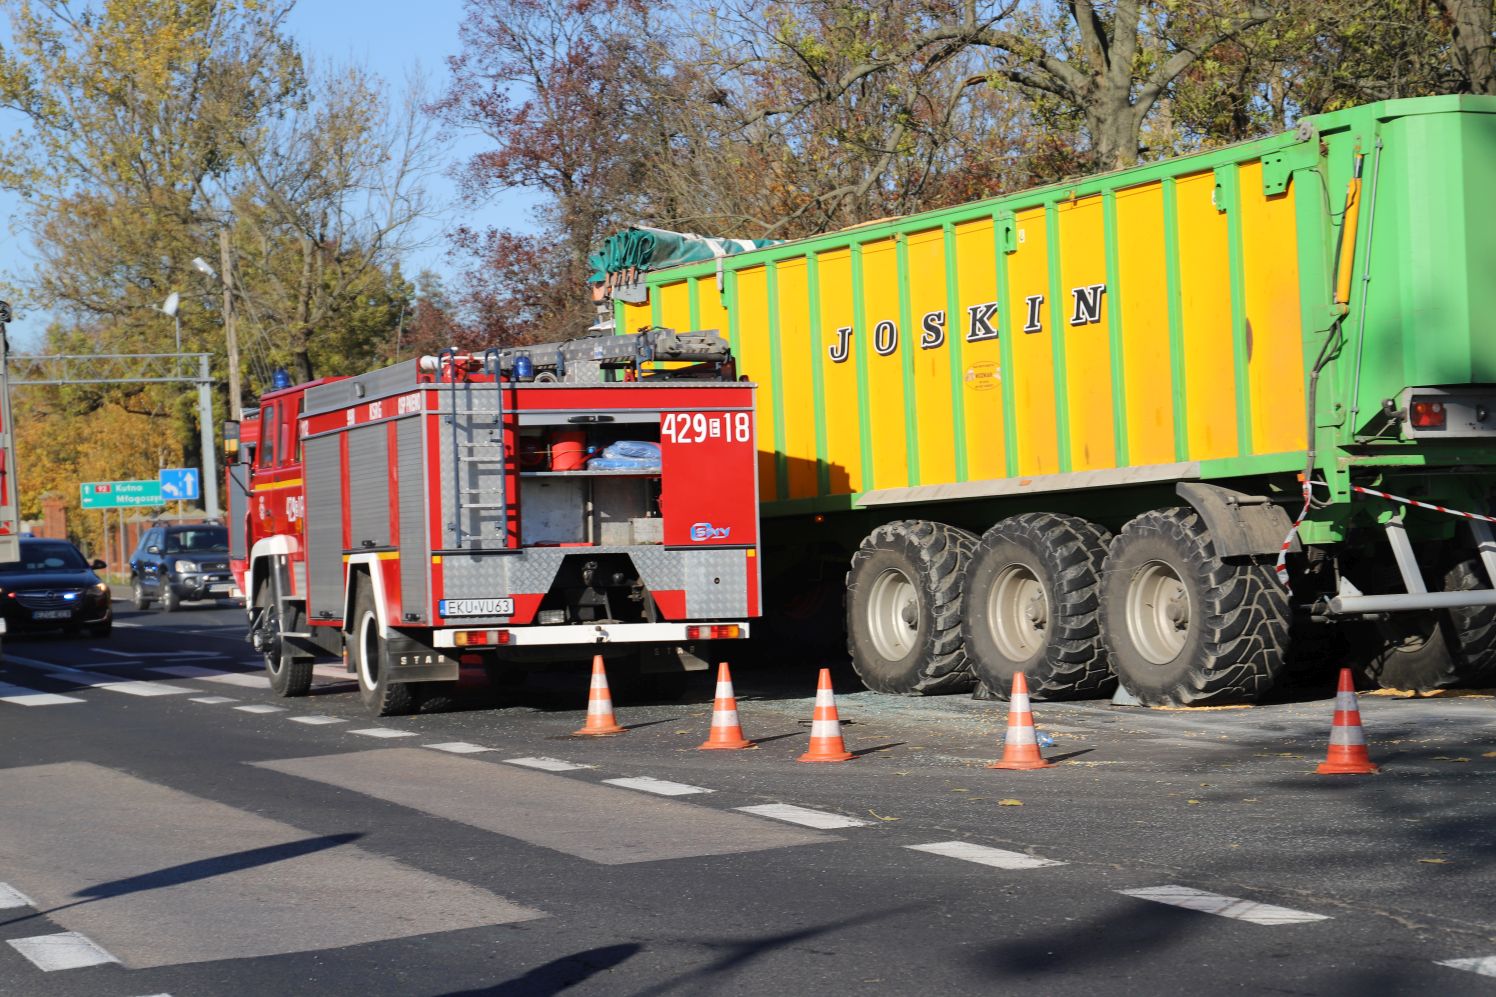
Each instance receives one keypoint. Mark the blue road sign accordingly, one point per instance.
(179, 484)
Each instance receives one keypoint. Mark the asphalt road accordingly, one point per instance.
(168, 827)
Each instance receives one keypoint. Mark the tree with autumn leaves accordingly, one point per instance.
(149, 127)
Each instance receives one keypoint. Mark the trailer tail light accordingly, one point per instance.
(729, 632)
(1426, 414)
(480, 638)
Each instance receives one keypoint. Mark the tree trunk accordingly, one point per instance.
(1470, 25)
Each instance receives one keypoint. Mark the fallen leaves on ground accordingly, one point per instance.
(1010, 803)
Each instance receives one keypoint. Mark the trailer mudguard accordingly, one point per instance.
(1240, 525)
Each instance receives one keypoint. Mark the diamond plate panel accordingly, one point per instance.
(716, 583)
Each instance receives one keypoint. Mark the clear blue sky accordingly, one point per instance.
(390, 37)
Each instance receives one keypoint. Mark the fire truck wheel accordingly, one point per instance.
(381, 696)
(137, 594)
(1428, 651)
(290, 676)
(1033, 597)
(904, 608)
(1183, 627)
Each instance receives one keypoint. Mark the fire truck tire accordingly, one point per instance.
(904, 608)
(290, 675)
(137, 594)
(1033, 599)
(1428, 651)
(1183, 627)
(382, 697)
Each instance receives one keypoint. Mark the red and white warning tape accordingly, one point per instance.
(1422, 505)
(1281, 567)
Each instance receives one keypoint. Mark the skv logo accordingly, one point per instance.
(706, 531)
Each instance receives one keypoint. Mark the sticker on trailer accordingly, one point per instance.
(475, 607)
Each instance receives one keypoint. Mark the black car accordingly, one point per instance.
(52, 588)
(178, 563)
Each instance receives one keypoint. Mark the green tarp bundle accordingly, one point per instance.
(636, 250)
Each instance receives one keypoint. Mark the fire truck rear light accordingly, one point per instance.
(480, 638)
(729, 632)
(550, 617)
(1427, 414)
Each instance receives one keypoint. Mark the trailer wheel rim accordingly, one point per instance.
(893, 614)
(368, 651)
(1158, 612)
(1018, 612)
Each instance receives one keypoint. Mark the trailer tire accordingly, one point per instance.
(1033, 600)
(290, 674)
(904, 608)
(382, 697)
(1182, 626)
(1424, 652)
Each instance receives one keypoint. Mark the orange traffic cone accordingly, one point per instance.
(726, 734)
(1347, 754)
(600, 719)
(1020, 747)
(825, 728)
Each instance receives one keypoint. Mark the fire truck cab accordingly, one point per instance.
(490, 509)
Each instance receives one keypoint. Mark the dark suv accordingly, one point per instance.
(178, 563)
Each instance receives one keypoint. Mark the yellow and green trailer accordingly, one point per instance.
(1182, 426)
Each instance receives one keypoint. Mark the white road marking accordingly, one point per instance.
(546, 764)
(802, 815)
(143, 688)
(660, 787)
(1215, 903)
(22, 696)
(98, 680)
(260, 708)
(248, 680)
(121, 623)
(383, 732)
(1484, 965)
(337, 672)
(998, 858)
(152, 654)
(317, 721)
(64, 950)
(458, 747)
(10, 898)
(213, 700)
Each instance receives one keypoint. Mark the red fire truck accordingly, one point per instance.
(537, 503)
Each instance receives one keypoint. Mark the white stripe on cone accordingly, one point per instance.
(599, 706)
(724, 690)
(1346, 702)
(599, 681)
(824, 697)
(1344, 735)
(825, 728)
(1021, 735)
(725, 718)
(1019, 703)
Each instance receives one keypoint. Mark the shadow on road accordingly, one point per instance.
(189, 872)
(558, 975)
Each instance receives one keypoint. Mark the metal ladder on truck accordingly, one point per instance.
(477, 461)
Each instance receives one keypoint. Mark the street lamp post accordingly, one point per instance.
(230, 326)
